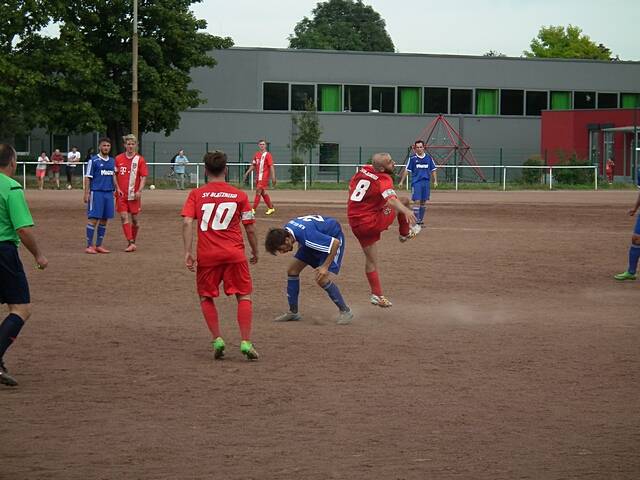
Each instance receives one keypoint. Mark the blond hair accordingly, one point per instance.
(131, 136)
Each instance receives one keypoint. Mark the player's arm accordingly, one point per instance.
(86, 183)
(116, 187)
(249, 170)
(143, 181)
(187, 240)
(403, 176)
(272, 170)
(397, 205)
(434, 174)
(252, 238)
(322, 272)
(29, 241)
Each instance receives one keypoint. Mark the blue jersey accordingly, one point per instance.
(314, 231)
(420, 168)
(101, 173)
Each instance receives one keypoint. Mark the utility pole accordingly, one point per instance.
(134, 72)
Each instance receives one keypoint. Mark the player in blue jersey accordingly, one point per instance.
(422, 168)
(321, 246)
(99, 185)
(634, 249)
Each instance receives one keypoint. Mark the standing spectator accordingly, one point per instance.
(57, 159)
(262, 164)
(99, 184)
(609, 170)
(179, 169)
(73, 157)
(15, 223)
(218, 210)
(41, 169)
(131, 175)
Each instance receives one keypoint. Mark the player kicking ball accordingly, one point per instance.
(219, 209)
(320, 246)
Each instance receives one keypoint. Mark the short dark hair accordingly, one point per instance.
(419, 141)
(7, 153)
(215, 162)
(105, 139)
(275, 239)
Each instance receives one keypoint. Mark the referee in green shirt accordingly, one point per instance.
(15, 223)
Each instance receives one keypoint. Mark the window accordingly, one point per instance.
(630, 100)
(584, 100)
(329, 157)
(329, 98)
(512, 102)
(300, 94)
(409, 100)
(461, 101)
(560, 100)
(356, 98)
(486, 102)
(383, 99)
(436, 100)
(22, 143)
(536, 102)
(607, 100)
(61, 142)
(275, 96)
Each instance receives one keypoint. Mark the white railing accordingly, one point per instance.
(306, 166)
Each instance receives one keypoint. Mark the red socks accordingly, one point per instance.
(211, 316)
(404, 224)
(126, 228)
(134, 231)
(256, 202)
(267, 200)
(374, 282)
(245, 312)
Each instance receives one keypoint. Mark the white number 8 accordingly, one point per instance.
(222, 218)
(361, 189)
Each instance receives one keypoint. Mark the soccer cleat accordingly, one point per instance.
(288, 317)
(101, 249)
(218, 348)
(380, 301)
(131, 248)
(91, 250)
(246, 347)
(413, 232)
(625, 276)
(5, 378)
(270, 211)
(344, 318)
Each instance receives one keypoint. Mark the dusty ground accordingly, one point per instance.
(509, 352)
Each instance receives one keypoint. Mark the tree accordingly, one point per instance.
(342, 25)
(556, 42)
(493, 53)
(306, 137)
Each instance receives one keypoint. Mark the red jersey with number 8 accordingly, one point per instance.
(369, 191)
(219, 208)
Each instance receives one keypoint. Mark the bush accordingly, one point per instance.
(296, 171)
(531, 176)
(571, 176)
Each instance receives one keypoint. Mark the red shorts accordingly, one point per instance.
(236, 278)
(124, 205)
(263, 184)
(40, 173)
(368, 231)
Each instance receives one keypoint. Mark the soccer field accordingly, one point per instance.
(510, 352)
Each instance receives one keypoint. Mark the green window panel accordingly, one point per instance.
(486, 102)
(630, 100)
(330, 98)
(560, 100)
(409, 99)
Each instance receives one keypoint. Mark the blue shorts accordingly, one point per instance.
(100, 204)
(421, 191)
(14, 288)
(636, 230)
(314, 258)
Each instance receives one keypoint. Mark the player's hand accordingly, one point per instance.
(41, 262)
(138, 195)
(632, 212)
(411, 217)
(274, 182)
(435, 184)
(253, 259)
(86, 198)
(322, 275)
(190, 262)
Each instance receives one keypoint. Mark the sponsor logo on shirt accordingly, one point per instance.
(106, 172)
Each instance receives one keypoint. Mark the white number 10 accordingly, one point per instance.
(361, 189)
(222, 218)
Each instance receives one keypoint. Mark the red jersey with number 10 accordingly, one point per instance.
(369, 191)
(219, 208)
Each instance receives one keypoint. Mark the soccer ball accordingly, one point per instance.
(152, 187)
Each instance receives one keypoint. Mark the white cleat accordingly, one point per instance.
(380, 301)
(344, 318)
(413, 232)
(288, 317)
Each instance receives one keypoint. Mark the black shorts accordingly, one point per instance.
(14, 288)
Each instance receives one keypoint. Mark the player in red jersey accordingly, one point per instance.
(218, 209)
(262, 164)
(131, 174)
(371, 209)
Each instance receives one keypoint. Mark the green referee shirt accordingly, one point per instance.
(14, 211)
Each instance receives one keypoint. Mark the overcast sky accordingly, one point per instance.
(466, 27)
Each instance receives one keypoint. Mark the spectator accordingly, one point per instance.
(179, 169)
(73, 157)
(609, 170)
(56, 159)
(41, 169)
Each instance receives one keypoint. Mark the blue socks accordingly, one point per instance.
(416, 212)
(334, 294)
(101, 231)
(634, 255)
(421, 212)
(90, 230)
(293, 291)
(9, 330)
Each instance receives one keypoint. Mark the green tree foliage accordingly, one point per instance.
(342, 25)
(558, 42)
(493, 53)
(307, 136)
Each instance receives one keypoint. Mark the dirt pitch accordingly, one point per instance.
(509, 352)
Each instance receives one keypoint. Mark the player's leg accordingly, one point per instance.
(245, 314)
(634, 255)
(405, 230)
(102, 231)
(256, 199)
(293, 291)
(91, 227)
(124, 219)
(210, 313)
(267, 200)
(422, 210)
(371, 270)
